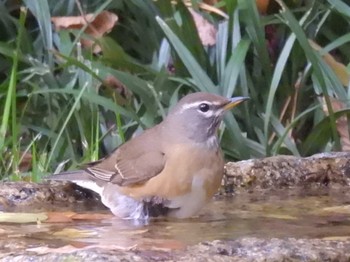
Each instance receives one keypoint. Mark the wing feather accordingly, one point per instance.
(134, 162)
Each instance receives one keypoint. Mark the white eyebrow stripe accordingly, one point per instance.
(194, 104)
(184, 107)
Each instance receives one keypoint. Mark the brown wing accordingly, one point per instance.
(134, 162)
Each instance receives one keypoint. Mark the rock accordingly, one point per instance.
(278, 172)
(242, 250)
(17, 194)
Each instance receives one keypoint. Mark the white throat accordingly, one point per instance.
(212, 142)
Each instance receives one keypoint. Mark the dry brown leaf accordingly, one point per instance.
(113, 82)
(133, 232)
(280, 216)
(341, 123)
(207, 6)
(59, 217)
(74, 233)
(92, 216)
(45, 250)
(206, 31)
(262, 5)
(339, 69)
(336, 238)
(70, 248)
(25, 162)
(22, 218)
(344, 76)
(97, 26)
(64, 217)
(211, 2)
(79, 244)
(345, 209)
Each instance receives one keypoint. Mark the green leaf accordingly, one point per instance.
(201, 79)
(234, 67)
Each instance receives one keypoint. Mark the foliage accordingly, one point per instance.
(57, 107)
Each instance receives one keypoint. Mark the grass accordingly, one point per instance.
(58, 111)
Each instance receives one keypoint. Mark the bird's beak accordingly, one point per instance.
(234, 101)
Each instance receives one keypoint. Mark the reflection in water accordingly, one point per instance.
(288, 214)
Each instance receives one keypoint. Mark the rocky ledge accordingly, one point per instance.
(242, 250)
(259, 175)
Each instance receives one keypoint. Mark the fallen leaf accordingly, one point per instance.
(206, 31)
(70, 249)
(59, 217)
(207, 6)
(46, 250)
(262, 5)
(345, 209)
(342, 73)
(339, 69)
(118, 86)
(96, 26)
(280, 216)
(22, 217)
(64, 217)
(25, 163)
(134, 232)
(92, 216)
(336, 238)
(210, 2)
(74, 233)
(341, 122)
(50, 217)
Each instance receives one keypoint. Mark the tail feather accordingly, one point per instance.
(74, 175)
(79, 177)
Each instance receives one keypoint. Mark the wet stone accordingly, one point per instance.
(23, 194)
(244, 250)
(326, 169)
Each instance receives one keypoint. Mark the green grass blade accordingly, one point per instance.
(201, 79)
(93, 98)
(318, 65)
(11, 102)
(71, 112)
(40, 9)
(276, 78)
(282, 136)
(280, 131)
(340, 6)
(234, 67)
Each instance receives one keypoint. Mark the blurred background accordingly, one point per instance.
(79, 77)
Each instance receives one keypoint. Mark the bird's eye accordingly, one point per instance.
(204, 107)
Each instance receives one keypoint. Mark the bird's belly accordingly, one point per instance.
(185, 188)
(190, 203)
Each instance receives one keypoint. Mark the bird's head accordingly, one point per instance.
(197, 116)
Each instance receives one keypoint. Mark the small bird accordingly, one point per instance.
(172, 169)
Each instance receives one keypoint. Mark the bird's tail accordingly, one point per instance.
(74, 175)
(79, 177)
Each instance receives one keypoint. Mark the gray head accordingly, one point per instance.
(197, 116)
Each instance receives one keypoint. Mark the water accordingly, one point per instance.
(301, 214)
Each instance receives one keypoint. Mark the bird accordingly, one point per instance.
(172, 169)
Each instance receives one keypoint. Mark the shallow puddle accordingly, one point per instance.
(316, 214)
